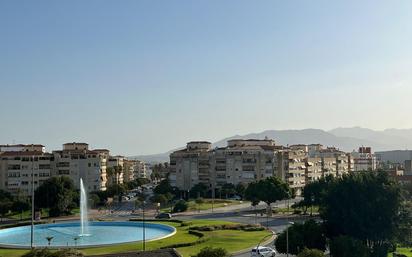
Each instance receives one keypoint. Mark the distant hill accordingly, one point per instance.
(389, 139)
(346, 139)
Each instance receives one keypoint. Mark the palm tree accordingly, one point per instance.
(118, 170)
(109, 174)
(49, 239)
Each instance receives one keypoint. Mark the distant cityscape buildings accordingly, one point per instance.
(96, 167)
(240, 162)
(244, 161)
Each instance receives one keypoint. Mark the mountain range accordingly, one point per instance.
(346, 139)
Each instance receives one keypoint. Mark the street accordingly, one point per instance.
(235, 213)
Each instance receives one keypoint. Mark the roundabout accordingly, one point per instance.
(69, 234)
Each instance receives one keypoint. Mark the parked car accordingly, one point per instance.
(263, 251)
(236, 198)
(164, 216)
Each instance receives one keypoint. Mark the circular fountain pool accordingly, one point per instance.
(68, 234)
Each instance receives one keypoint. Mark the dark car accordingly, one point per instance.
(164, 216)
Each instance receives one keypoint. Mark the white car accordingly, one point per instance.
(263, 251)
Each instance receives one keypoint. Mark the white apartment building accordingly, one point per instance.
(17, 168)
(244, 161)
(23, 148)
(116, 165)
(190, 166)
(140, 169)
(364, 159)
(77, 161)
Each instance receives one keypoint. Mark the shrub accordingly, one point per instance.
(344, 246)
(186, 223)
(180, 206)
(311, 253)
(229, 227)
(47, 253)
(307, 235)
(212, 252)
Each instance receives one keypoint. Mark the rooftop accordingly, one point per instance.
(21, 153)
(75, 143)
(22, 145)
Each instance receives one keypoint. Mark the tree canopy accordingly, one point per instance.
(268, 190)
(58, 194)
(364, 206)
(302, 235)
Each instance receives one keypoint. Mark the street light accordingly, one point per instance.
(32, 204)
(287, 238)
(144, 228)
(257, 247)
(312, 199)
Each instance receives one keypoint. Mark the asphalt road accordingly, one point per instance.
(276, 224)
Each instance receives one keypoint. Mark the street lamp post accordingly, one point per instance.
(144, 228)
(287, 238)
(257, 247)
(32, 204)
(312, 199)
(213, 196)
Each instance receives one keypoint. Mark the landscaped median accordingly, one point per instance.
(190, 237)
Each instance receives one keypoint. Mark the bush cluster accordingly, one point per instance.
(244, 227)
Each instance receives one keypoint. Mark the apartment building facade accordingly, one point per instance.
(245, 161)
(77, 161)
(190, 166)
(20, 170)
(364, 159)
(115, 170)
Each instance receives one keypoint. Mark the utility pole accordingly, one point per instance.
(32, 204)
(144, 228)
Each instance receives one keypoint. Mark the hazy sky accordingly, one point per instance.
(143, 77)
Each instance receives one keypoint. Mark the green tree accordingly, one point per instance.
(117, 172)
(94, 200)
(311, 253)
(110, 174)
(159, 198)
(212, 252)
(228, 189)
(57, 194)
(5, 207)
(364, 206)
(198, 190)
(163, 187)
(115, 189)
(315, 192)
(268, 190)
(302, 235)
(4, 195)
(180, 206)
(20, 205)
(345, 246)
(240, 190)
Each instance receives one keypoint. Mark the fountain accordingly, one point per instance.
(84, 233)
(84, 219)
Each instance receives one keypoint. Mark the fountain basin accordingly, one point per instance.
(69, 234)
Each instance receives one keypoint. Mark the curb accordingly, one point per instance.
(250, 248)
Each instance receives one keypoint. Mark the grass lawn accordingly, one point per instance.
(405, 251)
(206, 205)
(44, 214)
(231, 240)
